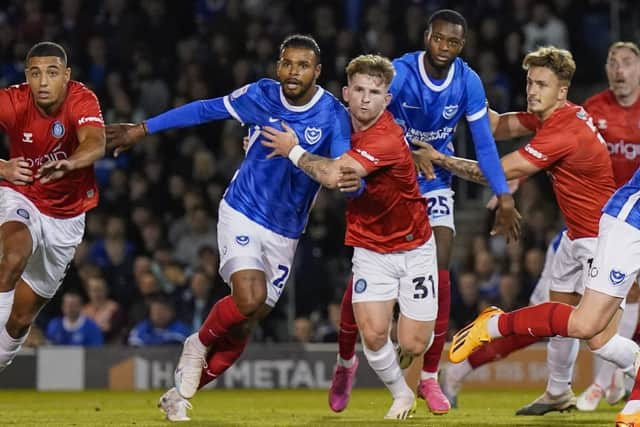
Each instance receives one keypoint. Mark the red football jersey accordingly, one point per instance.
(568, 146)
(620, 127)
(40, 138)
(390, 215)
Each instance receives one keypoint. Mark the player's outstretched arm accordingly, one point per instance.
(331, 173)
(122, 136)
(91, 147)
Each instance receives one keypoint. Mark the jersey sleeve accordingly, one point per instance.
(476, 107)
(375, 152)
(528, 120)
(85, 111)
(341, 136)
(7, 110)
(547, 147)
(244, 103)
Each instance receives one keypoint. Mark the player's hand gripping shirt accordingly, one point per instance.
(39, 139)
(620, 128)
(271, 192)
(429, 111)
(568, 146)
(390, 215)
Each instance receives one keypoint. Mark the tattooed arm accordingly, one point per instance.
(328, 172)
(514, 164)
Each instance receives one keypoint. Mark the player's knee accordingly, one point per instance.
(587, 327)
(12, 265)
(249, 299)
(415, 344)
(374, 339)
(19, 323)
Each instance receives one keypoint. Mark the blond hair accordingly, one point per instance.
(629, 45)
(560, 61)
(372, 65)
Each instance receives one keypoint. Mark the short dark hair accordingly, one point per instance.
(47, 49)
(301, 41)
(448, 15)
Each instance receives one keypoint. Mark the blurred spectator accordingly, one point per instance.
(105, 312)
(544, 29)
(160, 327)
(466, 306)
(487, 275)
(73, 328)
(201, 232)
(302, 330)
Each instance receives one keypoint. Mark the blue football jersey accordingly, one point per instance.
(625, 203)
(429, 111)
(273, 192)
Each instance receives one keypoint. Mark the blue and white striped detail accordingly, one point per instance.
(625, 203)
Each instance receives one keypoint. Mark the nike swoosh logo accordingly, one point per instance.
(405, 105)
(273, 120)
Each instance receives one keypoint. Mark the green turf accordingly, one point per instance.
(273, 408)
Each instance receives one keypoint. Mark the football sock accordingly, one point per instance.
(227, 350)
(561, 357)
(603, 372)
(499, 349)
(221, 318)
(543, 320)
(633, 404)
(6, 302)
(458, 371)
(431, 358)
(9, 346)
(620, 351)
(348, 333)
(629, 320)
(385, 363)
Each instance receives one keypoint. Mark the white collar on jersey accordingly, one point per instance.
(425, 77)
(301, 108)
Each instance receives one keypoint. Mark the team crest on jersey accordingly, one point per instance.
(616, 277)
(449, 111)
(239, 92)
(242, 240)
(57, 130)
(360, 286)
(312, 135)
(23, 213)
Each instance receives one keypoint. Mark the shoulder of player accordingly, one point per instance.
(385, 130)
(599, 99)
(78, 90)
(17, 92)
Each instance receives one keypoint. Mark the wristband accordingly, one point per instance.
(296, 153)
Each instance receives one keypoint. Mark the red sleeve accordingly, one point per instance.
(85, 110)
(377, 151)
(7, 110)
(548, 146)
(528, 120)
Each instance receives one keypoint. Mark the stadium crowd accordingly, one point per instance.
(146, 272)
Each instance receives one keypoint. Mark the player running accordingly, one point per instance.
(568, 146)
(432, 91)
(394, 255)
(56, 132)
(265, 207)
(615, 112)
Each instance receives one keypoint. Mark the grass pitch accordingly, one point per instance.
(274, 408)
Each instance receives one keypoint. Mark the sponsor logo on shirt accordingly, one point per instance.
(581, 114)
(87, 119)
(429, 136)
(57, 130)
(628, 150)
(55, 154)
(27, 137)
(360, 286)
(535, 153)
(367, 156)
(312, 135)
(616, 277)
(412, 107)
(449, 111)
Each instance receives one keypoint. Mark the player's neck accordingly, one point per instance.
(303, 100)
(544, 115)
(359, 126)
(628, 100)
(51, 110)
(438, 73)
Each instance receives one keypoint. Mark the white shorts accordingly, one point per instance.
(571, 263)
(245, 245)
(540, 293)
(410, 277)
(617, 259)
(440, 208)
(54, 241)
